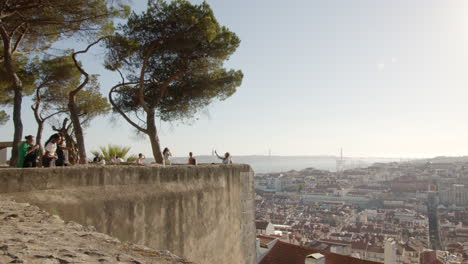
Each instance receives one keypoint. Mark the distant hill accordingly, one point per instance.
(445, 159)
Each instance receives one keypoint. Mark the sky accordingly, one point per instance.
(376, 78)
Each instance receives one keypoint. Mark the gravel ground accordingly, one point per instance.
(30, 235)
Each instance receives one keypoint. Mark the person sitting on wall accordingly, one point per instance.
(97, 158)
(226, 159)
(28, 153)
(167, 156)
(117, 160)
(102, 160)
(192, 160)
(140, 159)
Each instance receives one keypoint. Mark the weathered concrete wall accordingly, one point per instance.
(204, 213)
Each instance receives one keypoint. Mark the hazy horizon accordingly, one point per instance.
(266, 164)
(376, 78)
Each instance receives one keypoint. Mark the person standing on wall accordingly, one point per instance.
(62, 153)
(50, 155)
(28, 153)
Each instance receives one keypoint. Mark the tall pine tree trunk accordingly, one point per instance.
(74, 116)
(18, 96)
(72, 107)
(153, 136)
(18, 134)
(40, 123)
(40, 129)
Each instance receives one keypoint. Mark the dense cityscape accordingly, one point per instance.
(406, 212)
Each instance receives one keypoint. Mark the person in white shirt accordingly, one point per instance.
(99, 160)
(117, 160)
(50, 154)
(167, 156)
(140, 159)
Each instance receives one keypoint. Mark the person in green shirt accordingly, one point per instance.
(26, 149)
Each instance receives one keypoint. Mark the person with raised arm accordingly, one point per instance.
(226, 159)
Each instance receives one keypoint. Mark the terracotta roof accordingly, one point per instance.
(265, 240)
(409, 248)
(334, 241)
(261, 224)
(286, 253)
(376, 249)
(429, 257)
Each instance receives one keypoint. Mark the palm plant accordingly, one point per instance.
(115, 150)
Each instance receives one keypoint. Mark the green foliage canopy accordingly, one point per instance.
(35, 24)
(56, 78)
(4, 117)
(32, 26)
(25, 70)
(178, 50)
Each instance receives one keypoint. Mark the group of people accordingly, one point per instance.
(226, 159)
(55, 152)
(99, 159)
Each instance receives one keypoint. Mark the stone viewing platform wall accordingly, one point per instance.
(204, 213)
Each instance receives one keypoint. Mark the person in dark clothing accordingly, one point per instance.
(30, 158)
(27, 149)
(97, 159)
(61, 159)
(192, 160)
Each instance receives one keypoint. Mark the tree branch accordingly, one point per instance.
(6, 40)
(56, 113)
(18, 41)
(80, 69)
(163, 88)
(64, 124)
(10, 10)
(141, 90)
(35, 107)
(116, 108)
(16, 28)
(121, 75)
